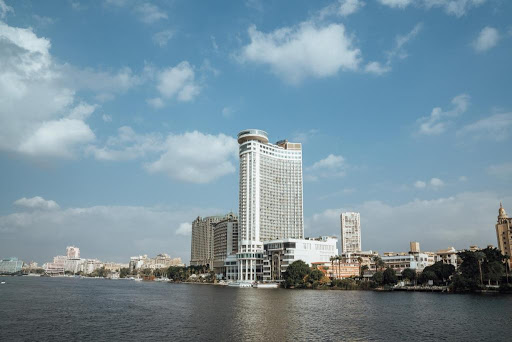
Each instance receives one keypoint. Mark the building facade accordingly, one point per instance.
(10, 266)
(278, 254)
(350, 232)
(270, 198)
(73, 252)
(225, 242)
(201, 251)
(448, 256)
(504, 233)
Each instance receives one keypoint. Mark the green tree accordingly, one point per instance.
(363, 269)
(389, 277)
(427, 275)
(379, 263)
(295, 274)
(124, 272)
(409, 274)
(378, 278)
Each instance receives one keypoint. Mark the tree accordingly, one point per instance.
(378, 278)
(379, 263)
(427, 275)
(480, 257)
(363, 269)
(295, 274)
(409, 274)
(360, 261)
(123, 272)
(389, 277)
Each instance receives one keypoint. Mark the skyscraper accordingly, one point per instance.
(504, 233)
(350, 232)
(201, 251)
(270, 197)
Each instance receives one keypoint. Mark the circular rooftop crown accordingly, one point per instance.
(252, 134)
(502, 213)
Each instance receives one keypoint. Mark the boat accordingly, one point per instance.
(266, 285)
(3, 282)
(242, 284)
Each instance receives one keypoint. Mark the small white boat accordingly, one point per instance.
(3, 282)
(240, 284)
(266, 285)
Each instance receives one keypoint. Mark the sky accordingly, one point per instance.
(118, 118)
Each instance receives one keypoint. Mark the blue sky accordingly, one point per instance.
(118, 118)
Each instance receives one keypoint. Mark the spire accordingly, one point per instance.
(501, 212)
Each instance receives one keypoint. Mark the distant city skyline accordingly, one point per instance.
(119, 119)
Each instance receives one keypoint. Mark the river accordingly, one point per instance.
(64, 309)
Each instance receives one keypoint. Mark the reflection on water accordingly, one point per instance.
(102, 310)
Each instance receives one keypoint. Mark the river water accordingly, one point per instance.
(64, 309)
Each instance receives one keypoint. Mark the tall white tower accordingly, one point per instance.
(350, 232)
(270, 197)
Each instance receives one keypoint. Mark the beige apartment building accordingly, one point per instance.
(504, 233)
(225, 242)
(201, 251)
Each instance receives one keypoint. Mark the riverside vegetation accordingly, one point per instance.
(483, 270)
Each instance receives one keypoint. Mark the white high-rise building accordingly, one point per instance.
(270, 198)
(350, 232)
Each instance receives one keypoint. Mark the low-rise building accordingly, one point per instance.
(10, 265)
(448, 256)
(278, 254)
(401, 261)
(336, 269)
(162, 260)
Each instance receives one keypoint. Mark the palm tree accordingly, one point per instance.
(360, 261)
(507, 265)
(332, 266)
(480, 257)
(364, 268)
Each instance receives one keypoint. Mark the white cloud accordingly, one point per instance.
(377, 68)
(37, 202)
(161, 38)
(106, 118)
(420, 184)
(184, 229)
(396, 3)
(457, 8)
(176, 82)
(306, 50)
(342, 8)
(331, 166)
(303, 137)
(149, 13)
(487, 39)
(397, 52)
(436, 182)
(196, 157)
(128, 145)
(156, 102)
(136, 230)
(39, 110)
(495, 128)
(5, 9)
(436, 222)
(463, 179)
(105, 83)
(57, 138)
(503, 170)
(438, 120)
(42, 20)
(228, 112)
